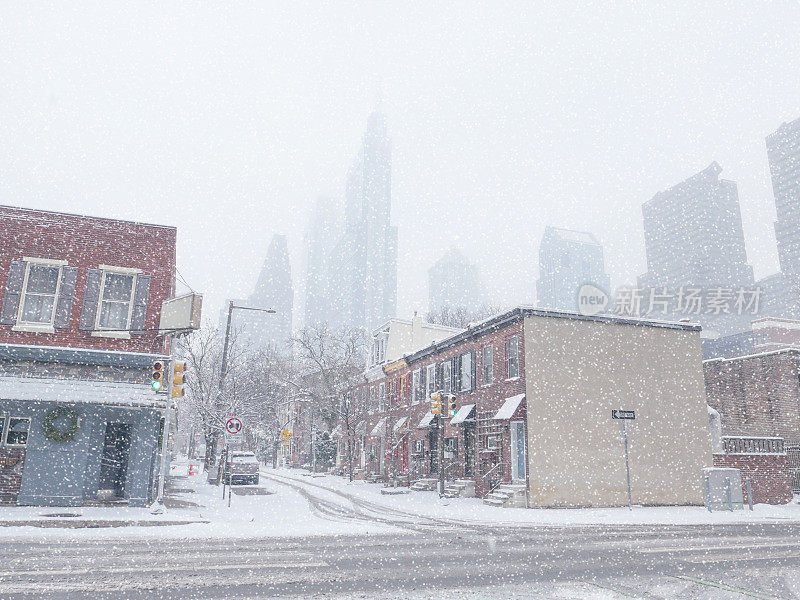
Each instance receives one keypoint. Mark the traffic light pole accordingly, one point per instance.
(162, 476)
(441, 455)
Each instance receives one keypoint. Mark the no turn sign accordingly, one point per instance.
(233, 426)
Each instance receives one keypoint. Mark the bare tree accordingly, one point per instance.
(331, 362)
(254, 385)
(460, 317)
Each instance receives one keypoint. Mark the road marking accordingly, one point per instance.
(727, 588)
(166, 569)
(667, 549)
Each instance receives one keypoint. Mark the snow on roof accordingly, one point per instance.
(756, 355)
(463, 414)
(509, 407)
(426, 421)
(376, 431)
(400, 422)
(80, 392)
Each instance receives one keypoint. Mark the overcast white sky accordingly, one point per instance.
(228, 121)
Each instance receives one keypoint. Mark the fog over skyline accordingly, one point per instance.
(230, 122)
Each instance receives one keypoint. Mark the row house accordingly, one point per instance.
(79, 318)
(535, 391)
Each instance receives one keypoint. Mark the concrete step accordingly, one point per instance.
(493, 502)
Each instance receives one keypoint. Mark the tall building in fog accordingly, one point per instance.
(352, 278)
(320, 240)
(783, 152)
(568, 260)
(694, 239)
(273, 290)
(454, 281)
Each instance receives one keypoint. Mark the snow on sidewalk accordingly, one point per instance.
(473, 510)
(281, 512)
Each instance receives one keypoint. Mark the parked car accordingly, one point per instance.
(242, 469)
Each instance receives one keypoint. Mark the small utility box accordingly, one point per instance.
(723, 488)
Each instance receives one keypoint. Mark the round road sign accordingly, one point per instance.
(233, 425)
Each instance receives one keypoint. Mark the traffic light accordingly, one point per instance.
(451, 405)
(178, 378)
(158, 375)
(436, 403)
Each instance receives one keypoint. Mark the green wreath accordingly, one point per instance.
(62, 436)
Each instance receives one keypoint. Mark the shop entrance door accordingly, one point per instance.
(469, 449)
(114, 462)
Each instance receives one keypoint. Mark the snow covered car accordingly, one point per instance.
(242, 469)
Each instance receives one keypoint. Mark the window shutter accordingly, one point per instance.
(66, 295)
(438, 382)
(423, 384)
(16, 277)
(474, 369)
(140, 298)
(91, 297)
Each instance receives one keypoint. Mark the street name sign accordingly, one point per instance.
(623, 414)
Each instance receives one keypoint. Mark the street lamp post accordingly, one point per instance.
(224, 365)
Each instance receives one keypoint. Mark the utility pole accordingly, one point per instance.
(441, 455)
(223, 371)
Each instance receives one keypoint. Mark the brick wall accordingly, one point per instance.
(757, 395)
(768, 473)
(487, 398)
(12, 461)
(86, 243)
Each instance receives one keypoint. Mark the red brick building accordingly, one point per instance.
(79, 316)
(579, 369)
(758, 397)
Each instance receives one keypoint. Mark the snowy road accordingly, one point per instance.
(422, 557)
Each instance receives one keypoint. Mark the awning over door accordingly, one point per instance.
(377, 431)
(509, 407)
(361, 428)
(465, 413)
(400, 424)
(426, 421)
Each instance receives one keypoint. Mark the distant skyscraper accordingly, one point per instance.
(567, 260)
(273, 290)
(783, 152)
(454, 281)
(355, 284)
(694, 239)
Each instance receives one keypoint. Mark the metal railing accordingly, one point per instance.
(493, 484)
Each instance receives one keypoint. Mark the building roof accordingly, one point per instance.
(568, 235)
(33, 212)
(755, 355)
(520, 312)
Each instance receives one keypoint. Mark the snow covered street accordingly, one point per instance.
(297, 536)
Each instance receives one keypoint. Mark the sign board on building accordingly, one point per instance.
(623, 414)
(182, 312)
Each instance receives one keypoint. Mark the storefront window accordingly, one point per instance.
(18, 431)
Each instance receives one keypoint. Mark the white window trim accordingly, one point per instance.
(121, 335)
(123, 270)
(7, 427)
(416, 377)
(39, 327)
(430, 379)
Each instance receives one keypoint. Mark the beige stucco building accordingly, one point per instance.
(577, 370)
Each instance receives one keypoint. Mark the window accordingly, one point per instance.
(419, 446)
(116, 300)
(430, 376)
(451, 446)
(373, 400)
(447, 376)
(39, 293)
(488, 365)
(493, 442)
(465, 372)
(416, 390)
(512, 357)
(363, 405)
(382, 398)
(17, 434)
(379, 349)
